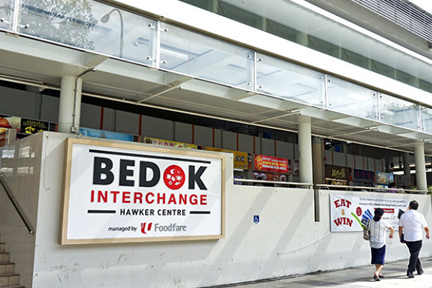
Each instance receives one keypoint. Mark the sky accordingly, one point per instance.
(425, 4)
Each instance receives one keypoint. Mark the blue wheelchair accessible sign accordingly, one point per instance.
(256, 219)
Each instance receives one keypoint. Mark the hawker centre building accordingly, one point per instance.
(313, 93)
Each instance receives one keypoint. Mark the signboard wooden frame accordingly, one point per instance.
(197, 204)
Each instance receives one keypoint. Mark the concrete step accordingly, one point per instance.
(7, 267)
(4, 257)
(9, 279)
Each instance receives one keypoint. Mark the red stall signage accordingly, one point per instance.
(271, 164)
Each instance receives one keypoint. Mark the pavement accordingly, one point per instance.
(361, 277)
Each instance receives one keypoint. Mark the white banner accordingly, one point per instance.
(348, 212)
(120, 193)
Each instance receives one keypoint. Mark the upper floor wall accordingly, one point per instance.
(322, 30)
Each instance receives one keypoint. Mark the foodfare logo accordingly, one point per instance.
(143, 227)
(147, 227)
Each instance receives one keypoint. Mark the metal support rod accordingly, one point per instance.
(15, 16)
(73, 128)
(274, 182)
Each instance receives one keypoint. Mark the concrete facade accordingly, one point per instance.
(286, 241)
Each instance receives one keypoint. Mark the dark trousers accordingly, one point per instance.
(414, 249)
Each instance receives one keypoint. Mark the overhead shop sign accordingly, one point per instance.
(337, 172)
(161, 142)
(30, 126)
(117, 192)
(384, 178)
(364, 175)
(271, 164)
(240, 158)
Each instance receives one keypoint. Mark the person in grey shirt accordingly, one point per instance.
(377, 240)
(411, 224)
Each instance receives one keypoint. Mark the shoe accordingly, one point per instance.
(381, 276)
(376, 278)
(410, 274)
(420, 271)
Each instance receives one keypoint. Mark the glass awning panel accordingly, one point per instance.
(399, 112)
(6, 13)
(426, 120)
(193, 54)
(92, 26)
(291, 82)
(352, 99)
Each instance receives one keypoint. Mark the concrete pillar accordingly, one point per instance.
(68, 122)
(318, 160)
(406, 163)
(305, 149)
(420, 166)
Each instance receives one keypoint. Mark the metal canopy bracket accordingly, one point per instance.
(175, 80)
(237, 94)
(92, 60)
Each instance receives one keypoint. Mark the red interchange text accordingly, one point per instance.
(100, 196)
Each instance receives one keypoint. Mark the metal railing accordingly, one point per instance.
(370, 189)
(329, 186)
(272, 183)
(16, 205)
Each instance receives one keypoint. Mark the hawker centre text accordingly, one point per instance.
(152, 212)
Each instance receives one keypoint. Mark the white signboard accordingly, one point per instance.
(348, 212)
(131, 193)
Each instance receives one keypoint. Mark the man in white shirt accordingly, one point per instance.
(411, 224)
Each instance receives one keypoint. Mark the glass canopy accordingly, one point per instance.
(101, 28)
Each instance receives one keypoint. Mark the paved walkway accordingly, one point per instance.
(395, 276)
